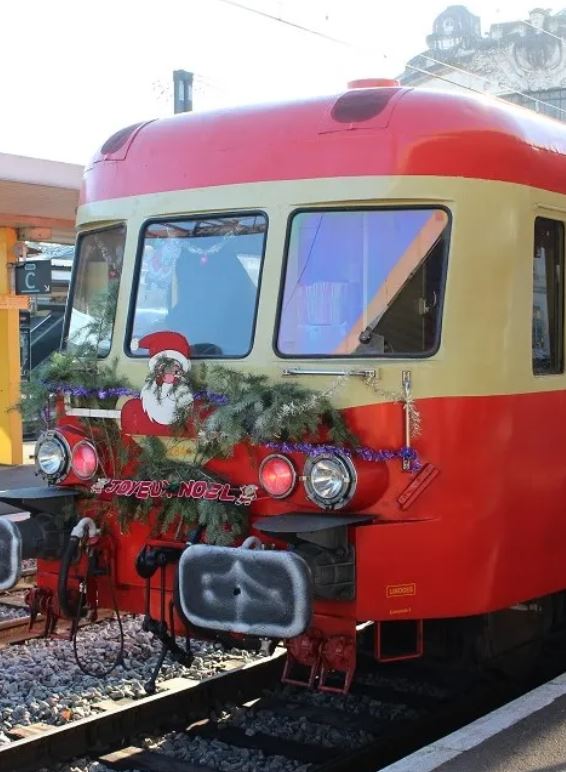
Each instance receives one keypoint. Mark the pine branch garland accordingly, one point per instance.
(230, 408)
(223, 522)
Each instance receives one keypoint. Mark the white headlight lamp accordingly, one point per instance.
(52, 456)
(330, 480)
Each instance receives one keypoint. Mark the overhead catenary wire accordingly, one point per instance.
(539, 30)
(447, 80)
(542, 30)
(429, 73)
(481, 77)
(288, 23)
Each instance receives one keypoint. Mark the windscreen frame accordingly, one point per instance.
(364, 208)
(86, 231)
(163, 219)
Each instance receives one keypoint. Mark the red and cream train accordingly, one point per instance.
(400, 250)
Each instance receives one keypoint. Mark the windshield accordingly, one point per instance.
(95, 289)
(200, 278)
(363, 283)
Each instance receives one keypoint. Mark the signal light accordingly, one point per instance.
(277, 476)
(84, 460)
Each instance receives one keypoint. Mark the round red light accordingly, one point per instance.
(277, 476)
(84, 460)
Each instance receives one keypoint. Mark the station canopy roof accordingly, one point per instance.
(39, 197)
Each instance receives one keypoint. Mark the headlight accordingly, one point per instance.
(330, 480)
(51, 455)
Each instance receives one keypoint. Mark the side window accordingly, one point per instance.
(548, 297)
(94, 294)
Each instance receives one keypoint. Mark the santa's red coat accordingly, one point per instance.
(134, 420)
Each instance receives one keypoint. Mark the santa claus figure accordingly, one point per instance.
(167, 392)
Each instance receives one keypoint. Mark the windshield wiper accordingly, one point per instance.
(366, 335)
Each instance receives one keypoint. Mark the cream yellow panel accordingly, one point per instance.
(487, 326)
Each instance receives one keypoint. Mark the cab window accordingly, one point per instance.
(364, 283)
(94, 294)
(200, 277)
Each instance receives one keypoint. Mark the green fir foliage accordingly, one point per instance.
(233, 408)
(223, 522)
(255, 411)
(78, 365)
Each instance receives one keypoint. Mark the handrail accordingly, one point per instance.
(362, 373)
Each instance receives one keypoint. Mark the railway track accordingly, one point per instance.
(381, 720)
(15, 628)
(26, 581)
(246, 717)
(180, 701)
(247, 714)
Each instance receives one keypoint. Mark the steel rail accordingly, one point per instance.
(409, 718)
(182, 701)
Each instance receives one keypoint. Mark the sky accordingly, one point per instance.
(75, 71)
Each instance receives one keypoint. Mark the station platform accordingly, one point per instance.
(525, 735)
(18, 477)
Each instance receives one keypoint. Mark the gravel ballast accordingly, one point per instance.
(12, 612)
(42, 682)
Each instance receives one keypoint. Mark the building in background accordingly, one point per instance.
(522, 61)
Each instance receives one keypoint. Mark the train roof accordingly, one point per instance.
(366, 131)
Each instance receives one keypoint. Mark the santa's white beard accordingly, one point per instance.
(162, 405)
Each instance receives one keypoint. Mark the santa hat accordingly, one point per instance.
(172, 345)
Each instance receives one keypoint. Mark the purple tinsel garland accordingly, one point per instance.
(212, 397)
(365, 453)
(122, 391)
(88, 391)
(308, 448)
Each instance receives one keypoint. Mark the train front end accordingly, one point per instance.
(232, 442)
